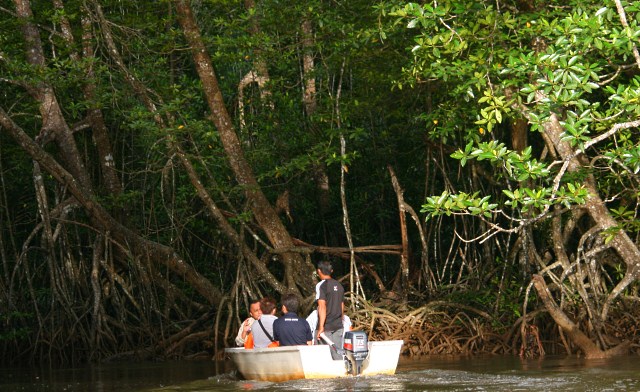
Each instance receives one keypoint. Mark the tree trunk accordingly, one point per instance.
(75, 178)
(308, 68)
(597, 210)
(105, 223)
(589, 349)
(310, 103)
(519, 129)
(94, 115)
(297, 271)
(401, 283)
(100, 132)
(54, 126)
(259, 74)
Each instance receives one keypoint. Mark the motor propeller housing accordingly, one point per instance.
(356, 350)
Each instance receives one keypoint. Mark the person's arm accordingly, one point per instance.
(244, 330)
(322, 316)
(276, 331)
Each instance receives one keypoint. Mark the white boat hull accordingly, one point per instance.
(296, 362)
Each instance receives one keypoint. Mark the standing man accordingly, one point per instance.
(330, 307)
(291, 330)
(245, 327)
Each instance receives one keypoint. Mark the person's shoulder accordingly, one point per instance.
(305, 325)
(334, 283)
(321, 289)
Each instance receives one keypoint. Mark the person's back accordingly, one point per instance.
(332, 292)
(291, 330)
(330, 295)
(263, 328)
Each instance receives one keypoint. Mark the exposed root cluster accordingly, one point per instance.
(428, 330)
(448, 328)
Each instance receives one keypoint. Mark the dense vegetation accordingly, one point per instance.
(470, 167)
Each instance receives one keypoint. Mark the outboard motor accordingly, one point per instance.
(356, 350)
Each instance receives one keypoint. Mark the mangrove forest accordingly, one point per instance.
(470, 168)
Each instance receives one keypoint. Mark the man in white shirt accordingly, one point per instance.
(312, 319)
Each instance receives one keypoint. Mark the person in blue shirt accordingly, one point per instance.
(289, 329)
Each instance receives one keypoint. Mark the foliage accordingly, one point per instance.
(13, 328)
(569, 59)
(431, 90)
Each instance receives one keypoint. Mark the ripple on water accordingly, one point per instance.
(588, 380)
(460, 380)
(583, 379)
(498, 374)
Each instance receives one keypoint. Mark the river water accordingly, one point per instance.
(492, 373)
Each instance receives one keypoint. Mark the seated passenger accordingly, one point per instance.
(291, 330)
(312, 319)
(245, 327)
(262, 329)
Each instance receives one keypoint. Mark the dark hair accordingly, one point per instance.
(291, 302)
(325, 267)
(254, 301)
(267, 304)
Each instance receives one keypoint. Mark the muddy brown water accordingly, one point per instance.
(487, 373)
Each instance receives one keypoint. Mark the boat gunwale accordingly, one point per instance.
(241, 354)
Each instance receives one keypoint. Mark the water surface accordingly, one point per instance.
(490, 373)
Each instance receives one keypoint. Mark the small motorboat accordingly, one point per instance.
(297, 362)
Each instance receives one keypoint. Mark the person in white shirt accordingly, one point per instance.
(262, 329)
(312, 319)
